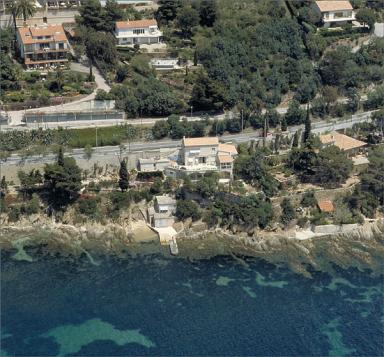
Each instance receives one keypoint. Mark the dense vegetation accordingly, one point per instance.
(41, 142)
(369, 194)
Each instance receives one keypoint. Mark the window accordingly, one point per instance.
(138, 31)
(226, 165)
(61, 46)
(338, 15)
(202, 160)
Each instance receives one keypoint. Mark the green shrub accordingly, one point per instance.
(149, 175)
(302, 221)
(88, 206)
(309, 199)
(187, 209)
(14, 214)
(32, 206)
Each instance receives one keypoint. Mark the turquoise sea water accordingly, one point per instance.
(160, 306)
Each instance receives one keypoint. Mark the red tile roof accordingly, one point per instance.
(120, 25)
(29, 35)
(223, 159)
(326, 206)
(333, 5)
(343, 142)
(203, 141)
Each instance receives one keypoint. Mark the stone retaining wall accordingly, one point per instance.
(332, 228)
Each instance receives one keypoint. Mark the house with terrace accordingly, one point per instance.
(349, 145)
(161, 215)
(141, 32)
(43, 46)
(335, 13)
(198, 156)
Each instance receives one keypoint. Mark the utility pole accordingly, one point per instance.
(242, 120)
(191, 110)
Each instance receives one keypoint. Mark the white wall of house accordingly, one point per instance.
(197, 155)
(164, 208)
(163, 222)
(335, 17)
(145, 35)
(146, 167)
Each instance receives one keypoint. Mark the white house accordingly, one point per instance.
(148, 165)
(161, 214)
(335, 13)
(165, 204)
(142, 32)
(201, 155)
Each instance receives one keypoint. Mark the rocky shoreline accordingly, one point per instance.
(362, 248)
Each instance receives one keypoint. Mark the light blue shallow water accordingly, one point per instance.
(170, 307)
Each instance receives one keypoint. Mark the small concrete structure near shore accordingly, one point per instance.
(161, 220)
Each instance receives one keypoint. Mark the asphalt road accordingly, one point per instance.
(113, 151)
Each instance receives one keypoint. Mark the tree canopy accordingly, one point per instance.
(62, 181)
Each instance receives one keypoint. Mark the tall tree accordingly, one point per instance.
(13, 9)
(295, 115)
(100, 47)
(295, 142)
(188, 19)
(60, 156)
(92, 15)
(3, 185)
(62, 182)
(332, 167)
(367, 17)
(284, 125)
(25, 8)
(112, 14)
(207, 12)
(123, 176)
(307, 129)
(167, 10)
(288, 212)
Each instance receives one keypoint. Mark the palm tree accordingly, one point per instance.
(13, 8)
(25, 8)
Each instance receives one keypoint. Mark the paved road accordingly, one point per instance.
(17, 116)
(113, 151)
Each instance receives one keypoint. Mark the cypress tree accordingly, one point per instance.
(295, 142)
(123, 173)
(307, 130)
(284, 126)
(3, 184)
(60, 157)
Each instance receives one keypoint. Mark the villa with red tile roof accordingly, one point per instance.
(141, 32)
(345, 143)
(43, 46)
(335, 13)
(201, 155)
